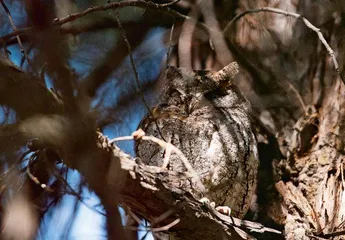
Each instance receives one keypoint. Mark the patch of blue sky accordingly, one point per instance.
(55, 220)
(89, 224)
(7, 115)
(148, 61)
(89, 49)
(148, 58)
(15, 54)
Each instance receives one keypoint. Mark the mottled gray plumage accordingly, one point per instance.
(207, 117)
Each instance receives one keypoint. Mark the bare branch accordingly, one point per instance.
(169, 3)
(158, 229)
(185, 40)
(116, 5)
(216, 35)
(170, 44)
(134, 68)
(35, 179)
(15, 29)
(294, 15)
(15, 33)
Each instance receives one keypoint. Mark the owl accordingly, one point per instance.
(206, 116)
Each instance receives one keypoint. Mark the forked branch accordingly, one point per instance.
(306, 22)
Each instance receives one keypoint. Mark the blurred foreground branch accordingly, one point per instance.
(24, 93)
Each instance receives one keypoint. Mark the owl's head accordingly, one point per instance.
(182, 84)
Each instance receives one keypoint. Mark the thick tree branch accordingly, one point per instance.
(150, 192)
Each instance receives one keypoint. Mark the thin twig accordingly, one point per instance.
(132, 215)
(144, 236)
(170, 44)
(334, 234)
(35, 179)
(169, 4)
(298, 95)
(14, 164)
(134, 68)
(162, 217)
(14, 28)
(342, 174)
(118, 139)
(315, 237)
(71, 191)
(139, 134)
(296, 16)
(158, 229)
(72, 218)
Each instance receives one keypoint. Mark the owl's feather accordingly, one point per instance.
(207, 117)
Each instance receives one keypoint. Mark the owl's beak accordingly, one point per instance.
(227, 73)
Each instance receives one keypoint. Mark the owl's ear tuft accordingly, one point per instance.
(227, 73)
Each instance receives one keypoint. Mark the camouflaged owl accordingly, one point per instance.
(207, 117)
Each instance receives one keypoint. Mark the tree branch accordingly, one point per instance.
(306, 22)
(17, 37)
(115, 5)
(23, 92)
(151, 192)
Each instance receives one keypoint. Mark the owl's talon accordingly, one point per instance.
(224, 210)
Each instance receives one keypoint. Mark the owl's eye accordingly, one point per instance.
(218, 92)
